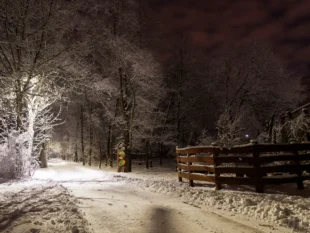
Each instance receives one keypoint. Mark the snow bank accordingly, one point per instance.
(279, 209)
(33, 207)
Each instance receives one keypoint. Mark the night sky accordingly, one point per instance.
(211, 24)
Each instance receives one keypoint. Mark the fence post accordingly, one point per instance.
(300, 184)
(191, 182)
(218, 185)
(259, 186)
(178, 168)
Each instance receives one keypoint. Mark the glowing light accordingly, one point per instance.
(60, 170)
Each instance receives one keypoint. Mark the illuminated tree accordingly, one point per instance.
(31, 40)
(126, 78)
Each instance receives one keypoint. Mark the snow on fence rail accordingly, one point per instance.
(251, 164)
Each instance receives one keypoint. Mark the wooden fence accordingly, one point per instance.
(251, 164)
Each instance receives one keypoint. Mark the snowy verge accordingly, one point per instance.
(33, 207)
(277, 209)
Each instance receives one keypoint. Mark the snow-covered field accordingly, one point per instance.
(144, 201)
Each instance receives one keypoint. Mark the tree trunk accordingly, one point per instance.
(19, 109)
(147, 155)
(126, 117)
(109, 152)
(82, 135)
(270, 127)
(179, 136)
(76, 153)
(108, 155)
(76, 156)
(163, 129)
(97, 136)
(90, 134)
(160, 154)
(43, 157)
(111, 149)
(127, 151)
(179, 100)
(100, 151)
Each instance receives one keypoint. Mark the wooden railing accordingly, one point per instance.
(251, 164)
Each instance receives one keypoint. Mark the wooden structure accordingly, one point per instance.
(251, 164)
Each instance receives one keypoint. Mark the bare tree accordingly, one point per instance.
(252, 78)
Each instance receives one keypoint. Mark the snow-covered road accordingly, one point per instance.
(111, 205)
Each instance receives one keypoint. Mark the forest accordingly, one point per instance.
(77, 78)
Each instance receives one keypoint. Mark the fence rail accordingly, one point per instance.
(251, 164)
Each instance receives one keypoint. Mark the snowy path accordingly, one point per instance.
(113, 206)
(67, 197)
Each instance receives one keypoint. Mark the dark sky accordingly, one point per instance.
(214, 23)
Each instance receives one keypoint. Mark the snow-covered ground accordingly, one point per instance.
(280, 205)
(36, 206)
(144, 201)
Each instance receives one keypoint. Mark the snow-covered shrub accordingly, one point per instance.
(295, 129)
(205, 138)
(277, 133)
(262, 137)
(229, 129)
(299, 127)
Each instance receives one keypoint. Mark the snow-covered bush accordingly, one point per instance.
(205, 138)
(229, 129)
(299, 127)
(295, 129)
